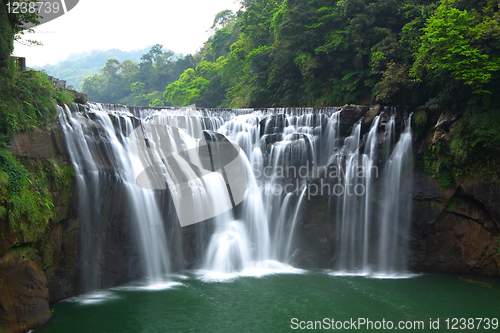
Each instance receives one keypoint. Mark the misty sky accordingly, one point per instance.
(179, 25)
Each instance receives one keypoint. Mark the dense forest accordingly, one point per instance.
(314, 53)
(137, 84)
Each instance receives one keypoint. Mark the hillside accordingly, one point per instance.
(80, 65)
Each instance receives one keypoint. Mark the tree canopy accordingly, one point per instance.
(323, 52)
(133, 83)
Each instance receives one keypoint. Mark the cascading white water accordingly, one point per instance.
(96, 148)
(278, 167)
(282, 152)
(372, 227)
(354, 223)
(395, 205)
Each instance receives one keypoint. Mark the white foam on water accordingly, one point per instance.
(161, 286)
(94, 297)
(348, 273)
(371, 275)
(395, 276)
(149, 285)
(254, 269)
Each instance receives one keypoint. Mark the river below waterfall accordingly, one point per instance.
(194, 303)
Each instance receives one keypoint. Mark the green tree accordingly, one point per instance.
(201, 86)
(451, 45)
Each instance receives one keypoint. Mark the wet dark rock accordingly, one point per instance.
(24, 298)
(369, 116)
(485, 191)
(301, 259)
(463, 240)
(61, 275)
(40, 143)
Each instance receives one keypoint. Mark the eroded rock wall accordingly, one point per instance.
(38, 257)
(24, 297)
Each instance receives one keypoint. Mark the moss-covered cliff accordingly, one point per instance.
(457, 193)
(37, 238)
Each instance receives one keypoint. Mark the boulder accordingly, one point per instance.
(446, 118)
(80, 98)
(369, 116)
(7, 237)
(24, 296)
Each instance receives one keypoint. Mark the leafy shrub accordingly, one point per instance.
(27, 101)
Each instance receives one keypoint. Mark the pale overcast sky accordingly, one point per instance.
(179, 25)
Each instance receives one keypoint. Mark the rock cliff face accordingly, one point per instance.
(456, 224)
(38, 265)
(24, 296)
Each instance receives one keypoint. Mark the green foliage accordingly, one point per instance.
(445, 175)
(419, 120)
(6, 36)
(296, 53)
(313, 53)
(26, 203)
(63, 96)
(20, 20)
(450, 44)
(200, 86)
(137, 84)
(33, 192)
(222, 19)
(475, 144)
(28, 190)
(78, 66)
(394, 82)
(438, 164)
(27, 101)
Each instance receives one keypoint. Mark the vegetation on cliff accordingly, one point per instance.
(29, 188)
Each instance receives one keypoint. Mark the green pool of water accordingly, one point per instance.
(270, 303)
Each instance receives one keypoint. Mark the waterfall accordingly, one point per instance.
(396, 206)
(373, 240)
(100, 155)
(239, 180)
